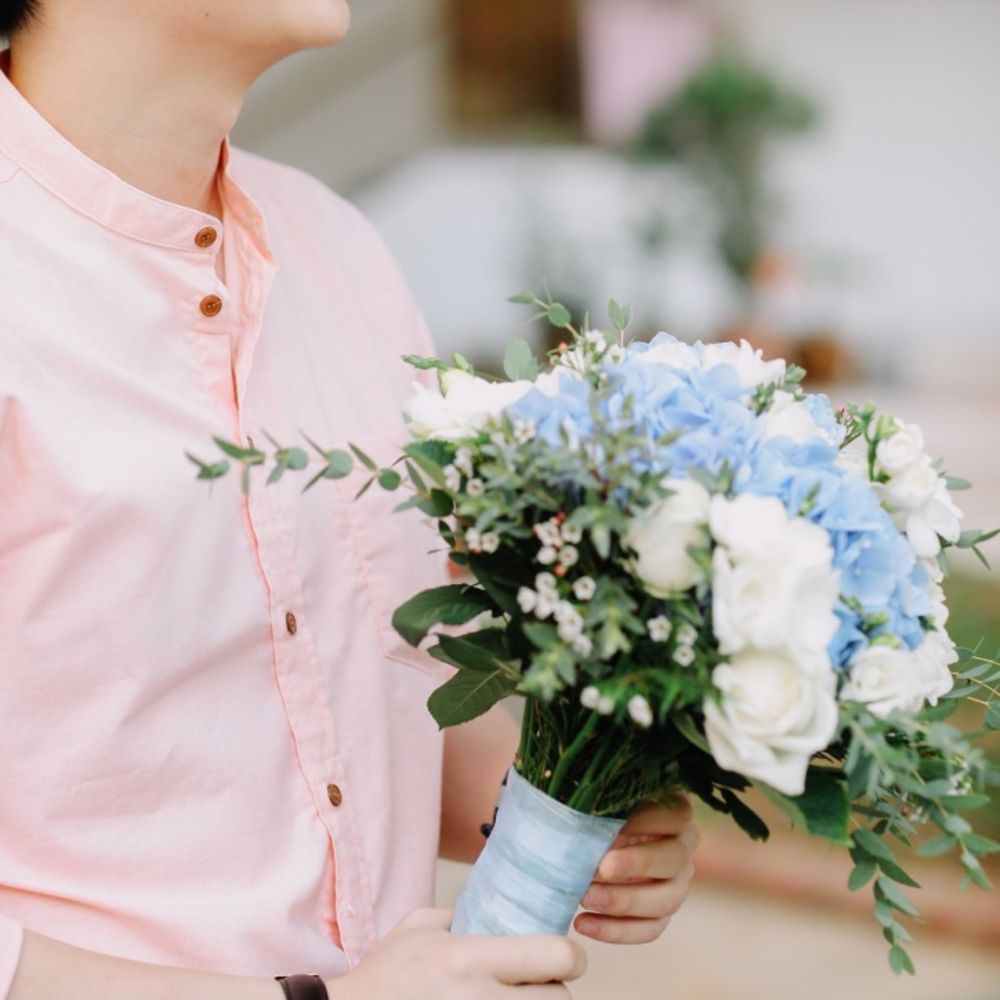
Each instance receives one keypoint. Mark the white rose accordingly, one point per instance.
(463, 406)
(938, 517)
(748, 524)
(789, 417)
(898, 452)
(887, 679)
(750, 365)
(774, 585)
(912, 488)
(773, 718)
(673, 353)
(661, 534)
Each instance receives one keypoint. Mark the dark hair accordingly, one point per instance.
(15, 14)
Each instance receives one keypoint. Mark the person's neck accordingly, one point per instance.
(141, 106)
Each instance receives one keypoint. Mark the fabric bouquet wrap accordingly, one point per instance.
(698, 576)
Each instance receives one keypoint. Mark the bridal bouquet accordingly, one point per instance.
(700, 576)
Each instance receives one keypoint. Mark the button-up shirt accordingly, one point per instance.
(215, 751)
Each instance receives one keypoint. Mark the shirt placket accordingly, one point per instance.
(297, 668)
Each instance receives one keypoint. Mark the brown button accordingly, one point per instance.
(290, 623)
(211, 305)
(206, 237)
(334, 794)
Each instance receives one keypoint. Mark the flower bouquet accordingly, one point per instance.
(698, 576)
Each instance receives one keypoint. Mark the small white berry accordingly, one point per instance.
(475, 487)
(463, 459)
(473, 540)
(569, 629)
(582, 645)
(524, 430)
(546, 555)
(584, 588)
(545, 583)
(545, 606)
(605, 705)
(590, 696)
(490, 541)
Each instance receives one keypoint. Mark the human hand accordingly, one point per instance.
(644, 877)
(420, 958)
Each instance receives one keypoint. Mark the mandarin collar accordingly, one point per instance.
(41, 151)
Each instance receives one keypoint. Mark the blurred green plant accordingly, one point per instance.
(719, 128)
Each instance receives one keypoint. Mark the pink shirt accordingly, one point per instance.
(215, 749)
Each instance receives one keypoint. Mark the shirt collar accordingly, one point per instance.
(40, 150)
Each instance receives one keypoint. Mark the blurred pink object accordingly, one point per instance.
(635, 53)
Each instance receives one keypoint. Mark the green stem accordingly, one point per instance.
(562, 768)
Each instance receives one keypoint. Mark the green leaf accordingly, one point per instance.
(467, 695)
(453, 604)
(873, 844)
(687, 728)
(981, 845)
(251, 455)
(746, 819)
(823, 809)
(438, 504)
(616, 314)
(861, 875)
(389, 479)
(338, 464)
(522, 298)
(424, 363)
(519, 360)
(559, 315)
(485, 650)
(899, 960)
(956, 483)
(893, 871)
(365, 460)
(896, 897)
(937, 846)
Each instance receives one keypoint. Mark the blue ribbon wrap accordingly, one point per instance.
(539, 860)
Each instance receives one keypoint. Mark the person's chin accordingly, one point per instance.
(326, 23)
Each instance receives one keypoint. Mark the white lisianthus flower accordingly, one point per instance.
(772, 718)
(639, 710)
(749, 364)
(888, 679)
(938, 518)
(461, 407)
(660, 536)
(776, 588)
(899, 451)
(673, 353)
(789, 417)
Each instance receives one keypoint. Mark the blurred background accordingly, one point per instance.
(818, 176)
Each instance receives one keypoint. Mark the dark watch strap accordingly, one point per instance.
(303, 987)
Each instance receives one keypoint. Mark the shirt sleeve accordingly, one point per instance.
(11, 940)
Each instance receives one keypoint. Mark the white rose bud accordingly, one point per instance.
(639, 710)
(660, 536)
(898, 452)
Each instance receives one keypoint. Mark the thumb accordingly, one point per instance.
(427, 919)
